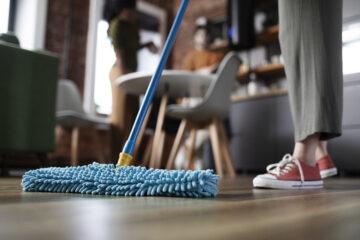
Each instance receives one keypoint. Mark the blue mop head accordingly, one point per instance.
(107, 179)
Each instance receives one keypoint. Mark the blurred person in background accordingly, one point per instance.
(201, 58)
(124, 34)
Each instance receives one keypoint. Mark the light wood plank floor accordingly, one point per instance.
(240, 212)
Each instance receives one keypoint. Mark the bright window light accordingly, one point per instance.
(351, 48)
(148, 61)
(4, 15)
(351, 53)
(105, 58)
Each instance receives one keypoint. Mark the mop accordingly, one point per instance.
(124, 179)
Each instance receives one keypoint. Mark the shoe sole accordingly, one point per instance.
(280, 184)
(328, 173)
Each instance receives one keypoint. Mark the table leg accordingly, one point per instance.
(157, 135)
(141, 134)
(215, 144)
(191, 150)
(147, 152)
(100, 150)
(177, 143)
(224, 147)
(75, 135)
(160, 150)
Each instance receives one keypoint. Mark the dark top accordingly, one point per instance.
(125, 39)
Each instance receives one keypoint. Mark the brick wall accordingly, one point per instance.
(197, 8)
(66, 35)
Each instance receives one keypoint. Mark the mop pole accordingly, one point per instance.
(125, 157)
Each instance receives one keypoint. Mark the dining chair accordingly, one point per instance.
(70, 115)
(209, 114)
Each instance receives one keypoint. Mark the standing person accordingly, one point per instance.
(124, 34)
(311, 43)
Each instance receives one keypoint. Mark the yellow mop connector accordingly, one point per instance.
(125, 159)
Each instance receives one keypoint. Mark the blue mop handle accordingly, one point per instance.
(130, 143)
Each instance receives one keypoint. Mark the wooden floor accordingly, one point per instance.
(239, 212)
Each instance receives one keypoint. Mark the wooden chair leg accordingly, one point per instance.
(177, 143)
(158, 130)
(147, 152)
(215, 144)
(74, 158)
(58, 135)
(224, 147)
(160, 150)
(141, 134)
(59, 132)
(191, 151)
(100, 150)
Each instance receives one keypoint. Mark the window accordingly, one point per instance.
(4, 15)
(351, 47)
(30, 23)
(105, 58)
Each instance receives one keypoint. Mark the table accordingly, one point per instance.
(173, 84)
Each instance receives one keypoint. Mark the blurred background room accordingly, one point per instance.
(74, 72)
(62, 103)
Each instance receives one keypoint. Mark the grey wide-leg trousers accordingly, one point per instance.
(311, 44)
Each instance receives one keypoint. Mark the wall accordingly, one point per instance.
(198, 8)
(66, 34)
(351, 8)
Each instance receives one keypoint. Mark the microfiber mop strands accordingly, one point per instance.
(107, 179)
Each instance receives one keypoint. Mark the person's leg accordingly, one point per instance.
(310, 38)
(305, 150)
(321, 150)
(320, 66)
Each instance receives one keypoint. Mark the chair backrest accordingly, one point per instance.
(68, 97)
(217, 98)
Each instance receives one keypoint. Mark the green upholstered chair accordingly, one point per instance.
(28, 81)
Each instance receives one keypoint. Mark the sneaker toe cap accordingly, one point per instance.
(265, 176)
(258, 181)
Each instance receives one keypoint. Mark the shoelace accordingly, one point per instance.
(285, 165)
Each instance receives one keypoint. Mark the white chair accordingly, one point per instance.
(209, 114)
(70, 115)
